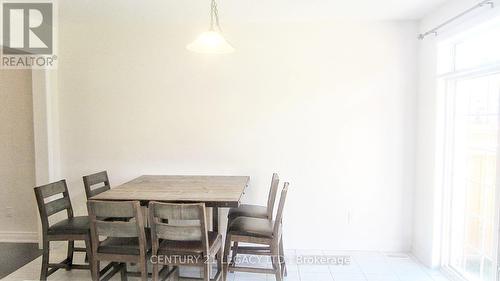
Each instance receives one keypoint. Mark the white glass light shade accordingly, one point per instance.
(210, 42)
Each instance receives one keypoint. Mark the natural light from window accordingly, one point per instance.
(470, 74)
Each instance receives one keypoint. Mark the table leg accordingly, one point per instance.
(215, 219)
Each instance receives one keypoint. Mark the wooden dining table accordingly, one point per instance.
(215, 191)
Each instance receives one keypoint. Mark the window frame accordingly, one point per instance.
(447, 83)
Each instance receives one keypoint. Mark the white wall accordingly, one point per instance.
(330, 106)
(428, 201)
(17, 169)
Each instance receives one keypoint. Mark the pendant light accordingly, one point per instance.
(211, 41)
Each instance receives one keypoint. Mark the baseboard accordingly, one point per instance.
(419, 255)
(18, 237)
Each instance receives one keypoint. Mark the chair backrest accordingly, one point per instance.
(273, 191)
(178, 222)
(51, 199)
(278, 222)
(96, 183)
(114, 219)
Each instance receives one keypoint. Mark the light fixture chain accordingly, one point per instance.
(214, 16)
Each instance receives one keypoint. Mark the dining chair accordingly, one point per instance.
(180, 237)
(266, 233)
(53, 199)
(118, 236)
(96, 183)
(256, 211)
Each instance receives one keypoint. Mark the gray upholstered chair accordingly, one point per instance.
(256, 211)
(96, 183)
(119, 237)
(264, 232)
(52, 199)
(180, 237)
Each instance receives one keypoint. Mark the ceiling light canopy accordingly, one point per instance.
(211, 41)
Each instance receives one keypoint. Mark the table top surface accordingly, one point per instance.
(214, 191)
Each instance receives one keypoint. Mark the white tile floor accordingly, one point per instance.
(365, 266)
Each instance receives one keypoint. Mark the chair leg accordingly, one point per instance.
(275, 258)
(218, 256)
(176, 276)
(206, 270)
(235, 253)
(144, 270)
(155, 271)
(88, 253)
(283, 261)
(95, 268)
(45, 259)
(227, 249)
(123, 272)
(71, 250)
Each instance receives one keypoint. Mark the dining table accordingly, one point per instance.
(214, 191)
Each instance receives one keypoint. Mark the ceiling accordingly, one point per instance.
(253, 10)
(263, 10)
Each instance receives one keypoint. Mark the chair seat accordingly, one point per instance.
(247, 210)
(168, 247)
(253, 227)
(123, 245)
(75, 225)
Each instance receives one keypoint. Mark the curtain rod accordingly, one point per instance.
(434, 31)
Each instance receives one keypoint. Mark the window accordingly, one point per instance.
(470, 73)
